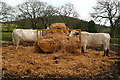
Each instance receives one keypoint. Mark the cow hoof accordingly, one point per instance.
(105, 55)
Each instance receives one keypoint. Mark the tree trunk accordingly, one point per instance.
(111, 22)
(112, 27)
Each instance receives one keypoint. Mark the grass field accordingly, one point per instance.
(115, 37)
(5, 36)
(112, 44)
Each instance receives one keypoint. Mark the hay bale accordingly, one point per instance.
(58, 26)
(60, 42)
(57, 40)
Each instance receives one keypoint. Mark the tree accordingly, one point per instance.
(115, 31)
(9, 27)
(106, 10)
(35, 11)
(67, 10)
(117, 22)
(32, 9)
(91, 26)
(6, 12)
(49, 11)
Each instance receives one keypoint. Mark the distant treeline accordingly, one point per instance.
(72, 23)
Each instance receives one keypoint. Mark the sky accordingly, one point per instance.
(83, 7)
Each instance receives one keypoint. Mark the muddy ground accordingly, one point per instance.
(24, 63)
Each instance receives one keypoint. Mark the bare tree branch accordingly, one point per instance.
(7, 13)
(106, 9)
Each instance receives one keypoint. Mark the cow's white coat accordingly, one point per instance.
(93, 40)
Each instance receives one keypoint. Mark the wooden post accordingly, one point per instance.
(37, 35)
(80, 35)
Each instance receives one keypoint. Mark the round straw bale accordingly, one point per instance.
(60, 42)
(58, 26)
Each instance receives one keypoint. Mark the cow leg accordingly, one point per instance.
(83, 51)
(106, 50)
(14, 43)
(17, 43)
(104, 53)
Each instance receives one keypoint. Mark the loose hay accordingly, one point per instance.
(24, 63)
(58, 26)
(59, 40)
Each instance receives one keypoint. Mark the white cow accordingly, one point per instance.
(25, 35)
(93, 40)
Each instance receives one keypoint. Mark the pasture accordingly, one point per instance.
(6, 36)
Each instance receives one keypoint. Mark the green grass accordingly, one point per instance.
(111, 44)
(6, 36)
(115, 37)
(114, 43)
(115, 40)
(0, 41)
(0, 35)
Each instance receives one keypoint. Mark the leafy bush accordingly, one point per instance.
(9, 27)
(91, 26)
(6, 36)
(115, 32)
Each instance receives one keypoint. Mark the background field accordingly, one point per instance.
(7, 36)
